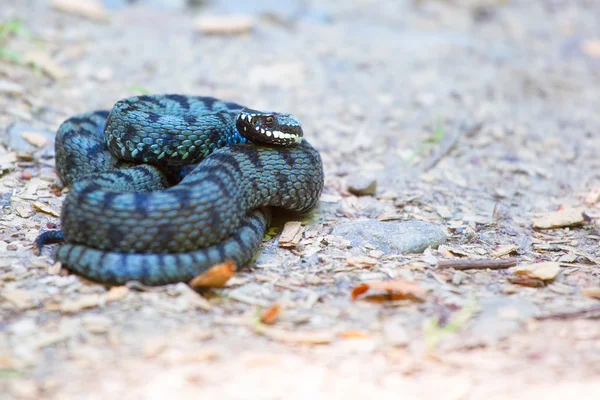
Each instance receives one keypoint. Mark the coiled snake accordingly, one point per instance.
(124, 219)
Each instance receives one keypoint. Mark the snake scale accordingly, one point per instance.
(162, 187)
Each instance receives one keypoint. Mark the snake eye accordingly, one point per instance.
(270, 121)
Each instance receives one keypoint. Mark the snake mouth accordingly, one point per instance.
(269, 128)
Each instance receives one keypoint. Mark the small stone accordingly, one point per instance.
(224, 25)
(393, 236)
(458, 277)
(559, 219)
(545, 271)
(362, 186)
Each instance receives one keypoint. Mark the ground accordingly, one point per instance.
(479, 117)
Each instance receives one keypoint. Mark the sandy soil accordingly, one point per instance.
(479, 116)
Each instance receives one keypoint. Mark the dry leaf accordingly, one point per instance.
(505, 250)
(354, 335)
(215, 277)
(394, 290)
(545, 271)
(269, 316)
(82, 303)
(291, 235)
(361, 261)
(116, 293)
(21, 299)
(91, 9)
(297, 337)
(593, 291)
(45, 208)
(55, 268)
(36, 139)
(531, 282)
(49, 66)
(559, 219)
(224, 25)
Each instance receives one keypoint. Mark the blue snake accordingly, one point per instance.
(162, 187)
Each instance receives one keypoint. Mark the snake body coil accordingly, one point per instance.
(124, 220)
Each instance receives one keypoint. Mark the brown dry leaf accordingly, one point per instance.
(55, 268)
(361, 261)
(45, 208)
(92, 9)
(291, 235)
(49, 66)
(19, 298)
(545, 271)
(591, 47)
(82, 303)
(531, 282)
(353, 334)
(559, 219)
(269, 316)
(398, 289)
(215, 277)
(116, 293)
(36, 139)
(593, 292)
(224, 25)
(505, 250)
(296, 337)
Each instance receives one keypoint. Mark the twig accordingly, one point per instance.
(592, 312)
(460, 264)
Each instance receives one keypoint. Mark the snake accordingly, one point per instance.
(163, 187)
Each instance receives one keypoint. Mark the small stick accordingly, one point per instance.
(461, 264)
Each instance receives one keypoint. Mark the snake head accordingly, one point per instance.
(269, 128)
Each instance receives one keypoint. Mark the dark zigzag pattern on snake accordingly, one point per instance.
(123, 221)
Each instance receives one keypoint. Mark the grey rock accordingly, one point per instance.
(392, 237)
(14, 141)
(362, 186)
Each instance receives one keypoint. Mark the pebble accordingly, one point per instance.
(392, 237)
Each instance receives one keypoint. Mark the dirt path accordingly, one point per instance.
(479, 118)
